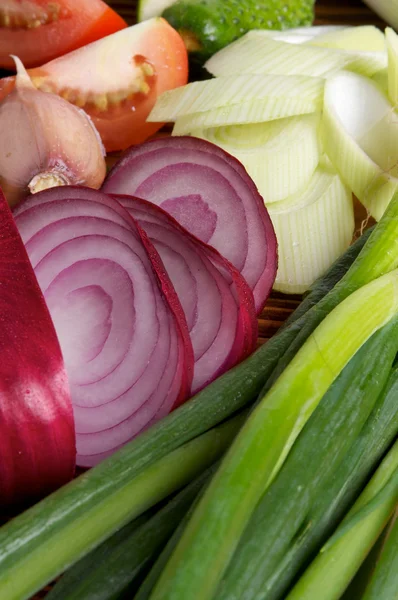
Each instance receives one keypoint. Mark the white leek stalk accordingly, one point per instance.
(260, 54)
(298, 35)
(386, 9)
(360, 136)
(392, 48)
(280, 156)
(276, 95)
(364, 38)
(313, 228)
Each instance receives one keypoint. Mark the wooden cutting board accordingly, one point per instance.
(328, 12)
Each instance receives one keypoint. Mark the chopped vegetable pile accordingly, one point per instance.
(209, 468)
(292, 106)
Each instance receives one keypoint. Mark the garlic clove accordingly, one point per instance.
(45, 141)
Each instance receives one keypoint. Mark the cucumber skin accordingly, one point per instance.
(302, 508)
(217, 23)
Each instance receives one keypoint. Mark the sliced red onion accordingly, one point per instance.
(209, 193)
(216, 300)
(120, 324)
(37, 437)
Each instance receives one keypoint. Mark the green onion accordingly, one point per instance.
(208, 542)
(332, 570)
(26, 565)
(49, 521)
(384, 582)
(330, 462)
(109, 570)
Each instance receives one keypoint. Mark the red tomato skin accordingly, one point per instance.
(125, 125)
(80, 22)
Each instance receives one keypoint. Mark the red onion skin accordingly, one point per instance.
(209, 157)
(37, 435)
(173, 301)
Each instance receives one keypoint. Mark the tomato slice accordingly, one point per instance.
(39, 30)
(117, 80)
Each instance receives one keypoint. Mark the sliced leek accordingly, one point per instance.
(332, 570)
(290, 95)
(381, 78)
(364, 38)
(261, 54)
(392, 48)
(360, 135)
(386, 9)
(313, 228)
(254, 111)
(298, 35)
(258, 452)
(280, 156)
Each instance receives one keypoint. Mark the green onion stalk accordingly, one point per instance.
(261, 447)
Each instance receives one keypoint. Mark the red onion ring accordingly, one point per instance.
(209, 193)
(120, 324)
(216, 300)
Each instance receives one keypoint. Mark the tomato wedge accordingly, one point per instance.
(117, 80)
(40, 30)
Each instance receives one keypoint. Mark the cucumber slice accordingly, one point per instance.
(146, 9)
(360, 135)
(280, 156)
(313, 228)
(254, 53)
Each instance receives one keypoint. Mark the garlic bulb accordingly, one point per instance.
(45, 141)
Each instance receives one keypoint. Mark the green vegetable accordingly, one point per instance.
(361, 145)
(392, 71)
(258, 452)
(326, 468)
(49, 537)
(24, 537)
(151, 579)
(362, 38)
(325, 208)
(384, 582)
(107, 571)
(238, 99)
(332, 570)
(258, 53)
(280, 155)
(208, 25)
(323, 285)
(378, 256)
(386, 9)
